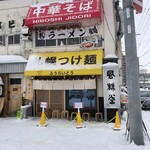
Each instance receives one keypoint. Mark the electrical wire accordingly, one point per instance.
(145, 53)
(143, 16)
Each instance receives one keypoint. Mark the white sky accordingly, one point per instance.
(17, 134)
(142, 24)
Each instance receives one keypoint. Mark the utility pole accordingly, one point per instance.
(135, 116)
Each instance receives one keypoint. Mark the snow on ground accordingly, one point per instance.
(17, 134)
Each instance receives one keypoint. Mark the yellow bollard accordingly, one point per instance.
(79, 120)
(117, 122)
(42, 120)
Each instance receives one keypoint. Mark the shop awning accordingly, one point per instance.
(63, 12)
(64, 84)
(65, 63)
(12, 64)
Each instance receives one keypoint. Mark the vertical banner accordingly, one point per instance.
(111, 85)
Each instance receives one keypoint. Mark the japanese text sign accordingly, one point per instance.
(63, 11)
(67, 33)
(65, 63)
(111, 85)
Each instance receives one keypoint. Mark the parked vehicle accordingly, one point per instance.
(146, 104)
(144, 94)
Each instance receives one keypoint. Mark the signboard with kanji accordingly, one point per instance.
(63, 12)
(111, 85)
(87, 62)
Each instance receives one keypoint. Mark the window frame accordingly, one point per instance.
(2, 40)
(80, 98)
(15, 39)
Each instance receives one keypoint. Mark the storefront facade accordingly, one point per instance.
(65, 43)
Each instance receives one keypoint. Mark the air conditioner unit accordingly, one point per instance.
(25, 31)
(25, 34)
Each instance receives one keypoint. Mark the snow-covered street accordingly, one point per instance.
(17, 134)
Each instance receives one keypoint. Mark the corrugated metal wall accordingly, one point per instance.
(12, 68)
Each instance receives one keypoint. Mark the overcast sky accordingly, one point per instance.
(142, 24)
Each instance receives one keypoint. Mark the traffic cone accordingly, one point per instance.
(79, 120)
(42, 120)
(117, 122)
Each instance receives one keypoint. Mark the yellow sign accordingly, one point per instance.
(65, 63)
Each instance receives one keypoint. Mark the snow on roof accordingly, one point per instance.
(110, 64)
(12, 59)
(111, 56)
(53, 1)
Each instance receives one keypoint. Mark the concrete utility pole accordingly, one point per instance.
(135, 116)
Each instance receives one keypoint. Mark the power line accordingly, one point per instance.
(145, 53)
(144, 32)
(146, 64)
(145, 45)
(143, 16)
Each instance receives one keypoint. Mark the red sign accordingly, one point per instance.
(62, 12)
(138, 5)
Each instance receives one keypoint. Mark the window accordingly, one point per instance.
(2, 40)
(88, 97)
(73, 41)
(62, 42)
(10, 39)
(14, 39)
(15, 81)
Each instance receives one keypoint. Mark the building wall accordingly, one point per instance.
(17, 11)
(109, 27)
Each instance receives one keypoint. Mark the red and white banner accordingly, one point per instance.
(62, 12)
(138, 5)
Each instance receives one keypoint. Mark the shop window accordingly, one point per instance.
(14, 39)
(88, 97)
(2, 40)
(15, 81)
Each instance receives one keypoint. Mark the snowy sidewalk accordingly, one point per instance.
(17, 134)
